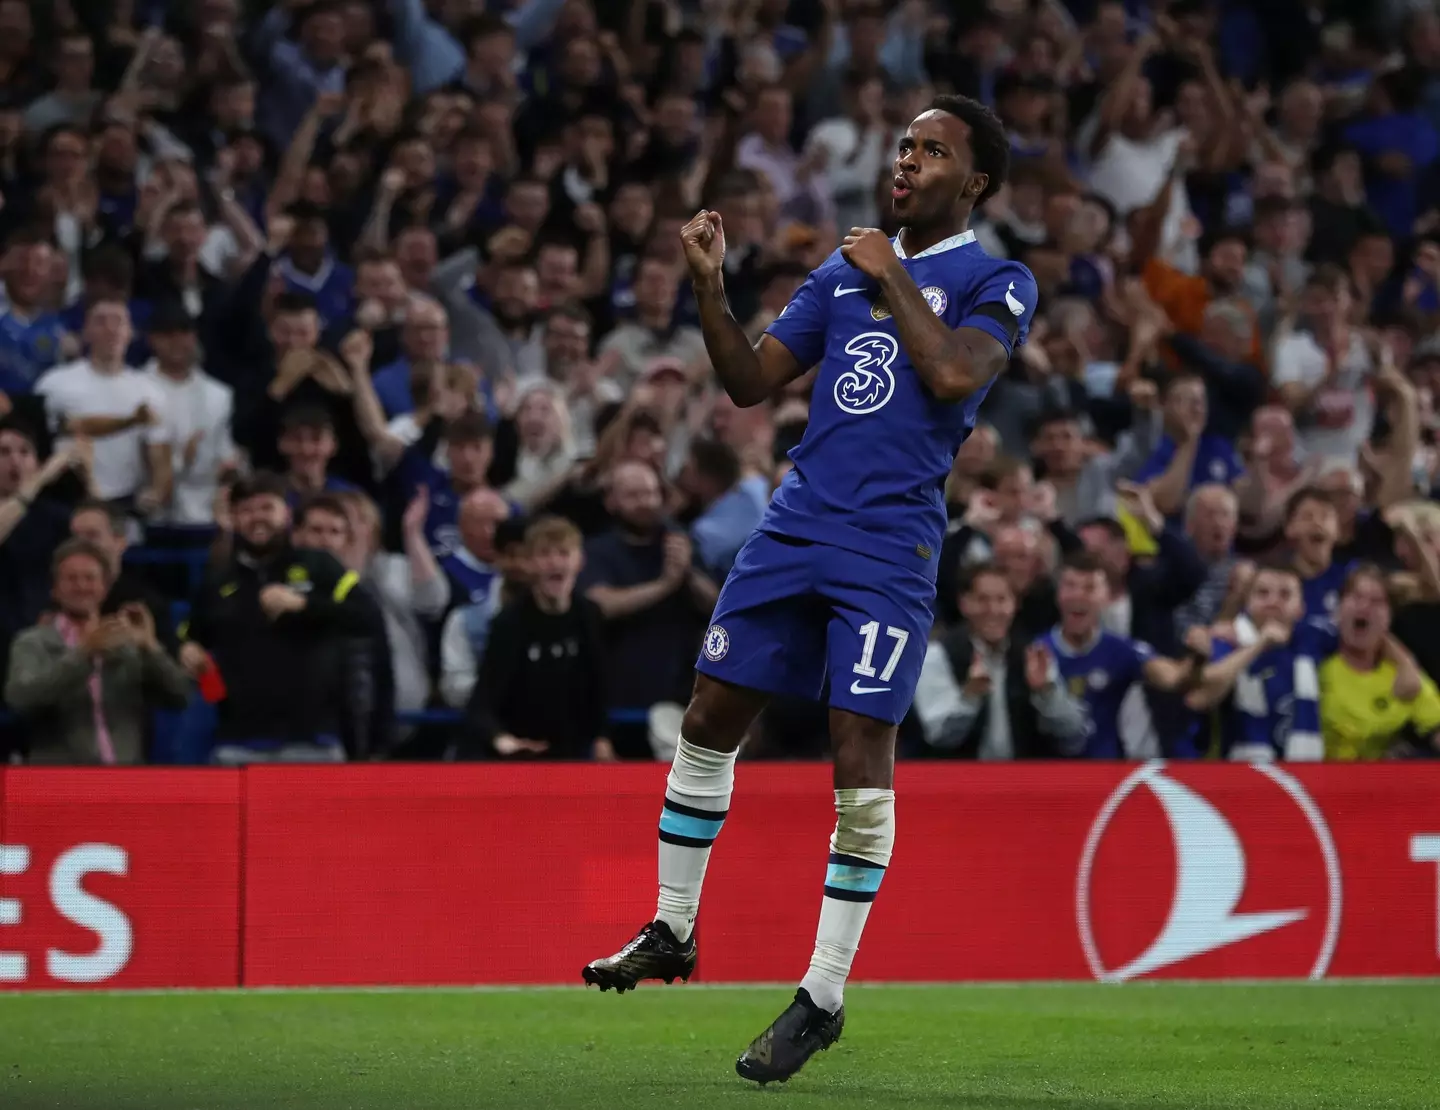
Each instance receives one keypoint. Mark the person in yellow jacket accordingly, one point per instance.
(1362, 712)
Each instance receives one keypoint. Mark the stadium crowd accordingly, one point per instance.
(355, 405)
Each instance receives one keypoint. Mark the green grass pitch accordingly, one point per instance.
(1158, 1047)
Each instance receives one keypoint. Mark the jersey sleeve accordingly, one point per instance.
(1425, 712)
(1003, 305)
(1157, 463)
(801, 324)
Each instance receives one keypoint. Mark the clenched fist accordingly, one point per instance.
(704, 241)
(870, 251)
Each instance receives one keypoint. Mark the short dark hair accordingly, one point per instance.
(989, 143)
(1082, 562)
(70, 548)
(263, 483)
(482, 27)
(304, 211)
(1304, 496)
(114, 515)
(310, 417)
(570, 310)
(1109, 525)
(972, 575)
(322, 503)
(16, 426)
(1371, 571)
(510, 532)
(1277, 565)
(1000, 468)
(184, 208)
(110, 263)
(716, 460)
(469, 427)
(292, 302)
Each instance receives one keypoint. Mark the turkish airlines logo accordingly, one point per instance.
(1246, 884)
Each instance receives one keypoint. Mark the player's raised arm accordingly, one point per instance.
(749, 374)
(953, 363)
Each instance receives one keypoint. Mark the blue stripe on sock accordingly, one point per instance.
(694, 828)
(860, 880)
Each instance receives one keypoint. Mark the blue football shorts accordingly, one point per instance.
(793, 614)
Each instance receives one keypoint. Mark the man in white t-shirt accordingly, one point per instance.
(196, 414)
(1323, 372)
(119, 408)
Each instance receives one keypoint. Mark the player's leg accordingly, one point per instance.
(697, 798)
(765, 638)
(876, 645)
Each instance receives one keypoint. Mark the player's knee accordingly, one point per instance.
(864, 752)
(707, 726)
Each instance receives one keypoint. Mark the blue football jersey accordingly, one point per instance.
(870, 471)
(28, 347)
(332, 286)
(1100, 676)
(1322, 593)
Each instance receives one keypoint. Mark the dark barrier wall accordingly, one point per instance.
(519, 874)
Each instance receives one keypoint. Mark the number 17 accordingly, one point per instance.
(871, 633)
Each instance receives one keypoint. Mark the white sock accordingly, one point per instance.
(697, 797)
(859, 853)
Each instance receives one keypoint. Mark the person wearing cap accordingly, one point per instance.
(196, 411)
(270, 624)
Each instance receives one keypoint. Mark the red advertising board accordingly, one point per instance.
(520, 874)
(119, 878)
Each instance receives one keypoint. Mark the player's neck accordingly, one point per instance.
(1079, 638)
(917, 240)
(1360, 659)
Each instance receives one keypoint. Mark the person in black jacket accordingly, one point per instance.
(272, 622)
(367, 719)
(541, 689)
(987, 694)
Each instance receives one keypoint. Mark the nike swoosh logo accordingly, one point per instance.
(841, 292)
(856, 688)
(1015, 305)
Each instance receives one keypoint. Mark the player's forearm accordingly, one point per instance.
(944, 360)
(1168, 490)
(736, 364)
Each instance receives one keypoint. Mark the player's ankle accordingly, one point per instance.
(825, 992)
(679, 924)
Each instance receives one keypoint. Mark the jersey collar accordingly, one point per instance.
(1062, 648)
(944, 245)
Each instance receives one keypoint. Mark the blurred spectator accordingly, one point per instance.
(325, 523)
(119, 408)
(654, 333)
(33, 523)
(983, 694)
(409, 587)
(32, 338)
(106, 528)
(271, 623)
(546, 450)
(1321, 372)
(541, 689)
(654, 600)
(475, 583)
(307, 444)
(95, 679)
(1361, 716)
(726, 504)
(195, 413)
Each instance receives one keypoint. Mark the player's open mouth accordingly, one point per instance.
(900, 189)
